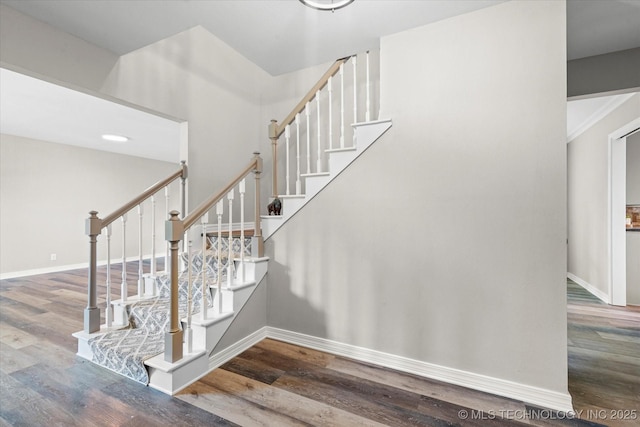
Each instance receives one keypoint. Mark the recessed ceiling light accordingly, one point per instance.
(331, 5)
(114, 138)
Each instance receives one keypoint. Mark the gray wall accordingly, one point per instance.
(445, 242)
(633, 238)
(588, 199)
(31, 44)
(47, 191)
(604, 73)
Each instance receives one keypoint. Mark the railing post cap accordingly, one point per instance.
(174, 229)
(185, 169)
(93, 224)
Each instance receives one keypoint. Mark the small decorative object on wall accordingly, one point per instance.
(275, 207)
(633, 218)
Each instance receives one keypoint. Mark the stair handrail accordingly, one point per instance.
(175, 230)
(275, 130)
(94, 226)
(322, 82)
(180, 173)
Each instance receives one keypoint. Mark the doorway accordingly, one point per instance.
(617, 211)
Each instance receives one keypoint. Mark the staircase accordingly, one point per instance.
(365, 134)
(166, 335)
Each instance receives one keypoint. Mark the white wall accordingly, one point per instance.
(47, 191)
(588, 199)
(445, 241)
(633, 238)
(195, 76)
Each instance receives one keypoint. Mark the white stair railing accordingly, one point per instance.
(177, 228)
(321, 117)
(95, 226)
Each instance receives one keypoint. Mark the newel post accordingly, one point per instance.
(273, 136)
(93, 226)
(183, 187)
(174, 231)
(258, 243)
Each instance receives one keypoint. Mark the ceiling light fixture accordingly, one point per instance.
(326, 4)
(114, 138)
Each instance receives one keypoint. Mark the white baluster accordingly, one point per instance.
(242, 191)
(319, 159)
(306, 112)
(355, 89)
(188, 338)
(342, 105)
(287, 137)
(368, 113)
(109, 310)
(298, 182)
(219, 212)
(123, 285)
(230, 197)
(204, 305)
(153, 240)
(140, 269)
(167, 264)
(330, 112)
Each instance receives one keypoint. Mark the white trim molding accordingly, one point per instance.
(590, 288)
(599, 114)
(225, 355)
(522, 392)
(68, 267)
(616, 235)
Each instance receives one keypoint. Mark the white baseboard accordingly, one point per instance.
(67, 267)
(522, 392)
(589, 287)
(223, 356)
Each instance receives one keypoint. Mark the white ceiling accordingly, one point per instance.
(284, 35)
(278, 35)
(40, 110)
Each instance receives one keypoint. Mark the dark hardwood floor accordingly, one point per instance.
(43, 382)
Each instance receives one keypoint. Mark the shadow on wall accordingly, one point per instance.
(312, 320)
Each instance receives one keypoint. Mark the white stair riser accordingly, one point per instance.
(208, 336)
(177, 379)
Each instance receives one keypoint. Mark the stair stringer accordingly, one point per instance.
(365, 134)
(173, 377)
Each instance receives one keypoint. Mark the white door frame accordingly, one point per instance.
(617, 149)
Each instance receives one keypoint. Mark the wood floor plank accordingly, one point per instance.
(23, 406)
(15, 337)
(435, 389)
(12, 359)
(276, 399)
(240, 411)
(249, 368)
(295, 352)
